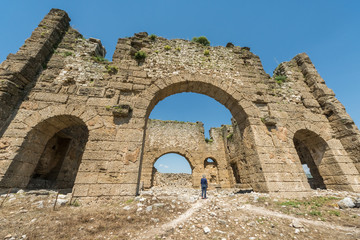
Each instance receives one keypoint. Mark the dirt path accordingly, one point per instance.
(172, 224)
(263, 211)
(158, 231)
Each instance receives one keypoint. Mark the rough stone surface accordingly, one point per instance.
(346, 203)
(59, 81)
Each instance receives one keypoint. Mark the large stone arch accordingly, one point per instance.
(34, 145)
(246, 114)
(223, 91)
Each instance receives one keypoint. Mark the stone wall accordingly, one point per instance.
(59, 80)
(188, 140)
(178, 180)
(18, 73)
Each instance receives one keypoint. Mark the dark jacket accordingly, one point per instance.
(204, 183)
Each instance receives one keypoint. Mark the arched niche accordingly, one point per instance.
(50, 155)
(311, 149)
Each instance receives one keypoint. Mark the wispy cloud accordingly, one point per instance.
(163, 166)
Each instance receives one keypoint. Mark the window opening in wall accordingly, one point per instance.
(306, 156)
(236, 173)
(211, 170)
(172, 170)
(172, 163)
(307, 171)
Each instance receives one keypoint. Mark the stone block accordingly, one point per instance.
(296, 186)
(51, 97)
(86, 177)
(96, 190)
(80, 190)
(100, 102)
(123, 189)
(140, 74)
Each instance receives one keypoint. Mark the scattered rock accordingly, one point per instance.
(155, 220)
(222, 222)
(39, 204)
(39, 192)
(159, 205)
(251, 224)
(61, 202)
(206, 230)
(346, 203)
(20, 191)
(296, 224)
(127, 208)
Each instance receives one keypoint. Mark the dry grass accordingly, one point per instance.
(102, 219)
(315, 208)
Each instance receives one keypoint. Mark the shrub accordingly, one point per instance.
(206, 52)
(202, 40)
(167, 47)
(178, 49)
(140, 55)
(208, 140)
(66, 54)
(75, 203)
(229, 136)
(111, 69)
(99, 59)
(153, 37)
(280, 79)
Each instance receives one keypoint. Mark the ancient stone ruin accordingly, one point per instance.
(71, 119)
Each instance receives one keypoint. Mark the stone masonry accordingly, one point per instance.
(69, 118)
(188, 140)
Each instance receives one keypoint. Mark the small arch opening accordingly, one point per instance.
(172, 169)
(211, 170)
(310, 149)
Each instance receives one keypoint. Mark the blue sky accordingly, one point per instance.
(328, 31)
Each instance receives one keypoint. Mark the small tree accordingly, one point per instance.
(202, 40)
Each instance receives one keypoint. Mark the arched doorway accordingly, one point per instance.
(50, 155)
(311, 149)
(152, 157)
(211, 171)
(172, 169)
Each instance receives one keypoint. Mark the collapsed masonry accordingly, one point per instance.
(69, 118)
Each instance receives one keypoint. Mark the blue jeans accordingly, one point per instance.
(203, 192)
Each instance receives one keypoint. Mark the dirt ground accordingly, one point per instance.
(178, 213)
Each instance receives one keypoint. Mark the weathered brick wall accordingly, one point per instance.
(59, 80)
(19, 71)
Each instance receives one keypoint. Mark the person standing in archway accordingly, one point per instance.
(204, 185)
